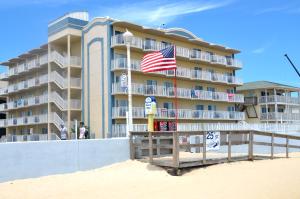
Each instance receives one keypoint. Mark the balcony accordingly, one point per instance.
(188, 114)
(25, 120)
(182, 72)
(41, 60)
(185, 93)
(279, 99)
(273, 116)
(21, 103)
(192, 54)
(118, 40)
(23, 85)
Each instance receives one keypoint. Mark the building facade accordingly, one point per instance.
(269, 102)
(76, 76)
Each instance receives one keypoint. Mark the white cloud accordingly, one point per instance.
(290, 8)
(259, 50)
(154, 12)
(263, 48)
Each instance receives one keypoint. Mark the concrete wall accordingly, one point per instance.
(34, 159)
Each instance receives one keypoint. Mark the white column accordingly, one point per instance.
(276, 106)
(69, 87)
(130, 120)
(267, 112)
(49, 93)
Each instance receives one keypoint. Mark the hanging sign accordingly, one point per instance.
(150, 106)
(212, 141)
(123, 80)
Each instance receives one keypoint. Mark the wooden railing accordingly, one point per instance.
(154, 142)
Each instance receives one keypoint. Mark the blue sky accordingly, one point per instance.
(263, 30)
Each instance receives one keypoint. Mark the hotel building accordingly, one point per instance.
(269, 102)
(76, 76)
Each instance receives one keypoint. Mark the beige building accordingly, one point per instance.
(76, 76)
(269, 102)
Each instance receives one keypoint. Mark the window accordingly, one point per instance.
(230, 108)
(168, 105)
(149, 44)
(196, 53)
(199, 107)
(197, 72)
(121, 103)
(230, 91)
(165, 44)
(198, 88)
(117, 32)
(212, 107)
(211, 89)
(151, 87)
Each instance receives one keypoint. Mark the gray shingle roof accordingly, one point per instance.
(265, 85)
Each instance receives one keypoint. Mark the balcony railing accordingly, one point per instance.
(37, 81)
(25, 120)
(280, 116)
(150, 45)
(26, 102)
(119, 130)
(163, 113)
(121, 63)
(31, 64)
(279, 99)
(162, 91)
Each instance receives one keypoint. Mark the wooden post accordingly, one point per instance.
(287, 147)
(229, 147)
(150, 148)
(250, 146)
(272, 146)
(132, 156)
(204, 148)
(175, 149)
(158, 146)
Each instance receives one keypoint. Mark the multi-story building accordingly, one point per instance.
(76, 75)
(269, 102)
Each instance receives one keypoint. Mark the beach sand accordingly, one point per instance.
(272, 179)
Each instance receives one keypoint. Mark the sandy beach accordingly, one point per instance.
(272, 179)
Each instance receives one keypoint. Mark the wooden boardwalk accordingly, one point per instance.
(178, 155)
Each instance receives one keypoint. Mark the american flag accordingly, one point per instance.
(164, 59)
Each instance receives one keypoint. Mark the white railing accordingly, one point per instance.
(119, 130)
(121, 63)
(280, 116)
(26, 102)
(58, 58)
(75, 104)
(25, 120)
(27, 138)
(56, 120)
(75, 82)
(279, 99)
(182, 52)
(139, 112)
(58, 79)
(75, 61)
(60, 102)
(162, 91)
(150, 45)
(119, 40)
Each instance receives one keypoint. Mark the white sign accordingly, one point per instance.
(150, 106)
(123, 80)
(212, 141)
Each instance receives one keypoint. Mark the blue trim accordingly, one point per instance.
(96, 39)
(110, 76)
(82, 77)
(108, 23)
(66, 23)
